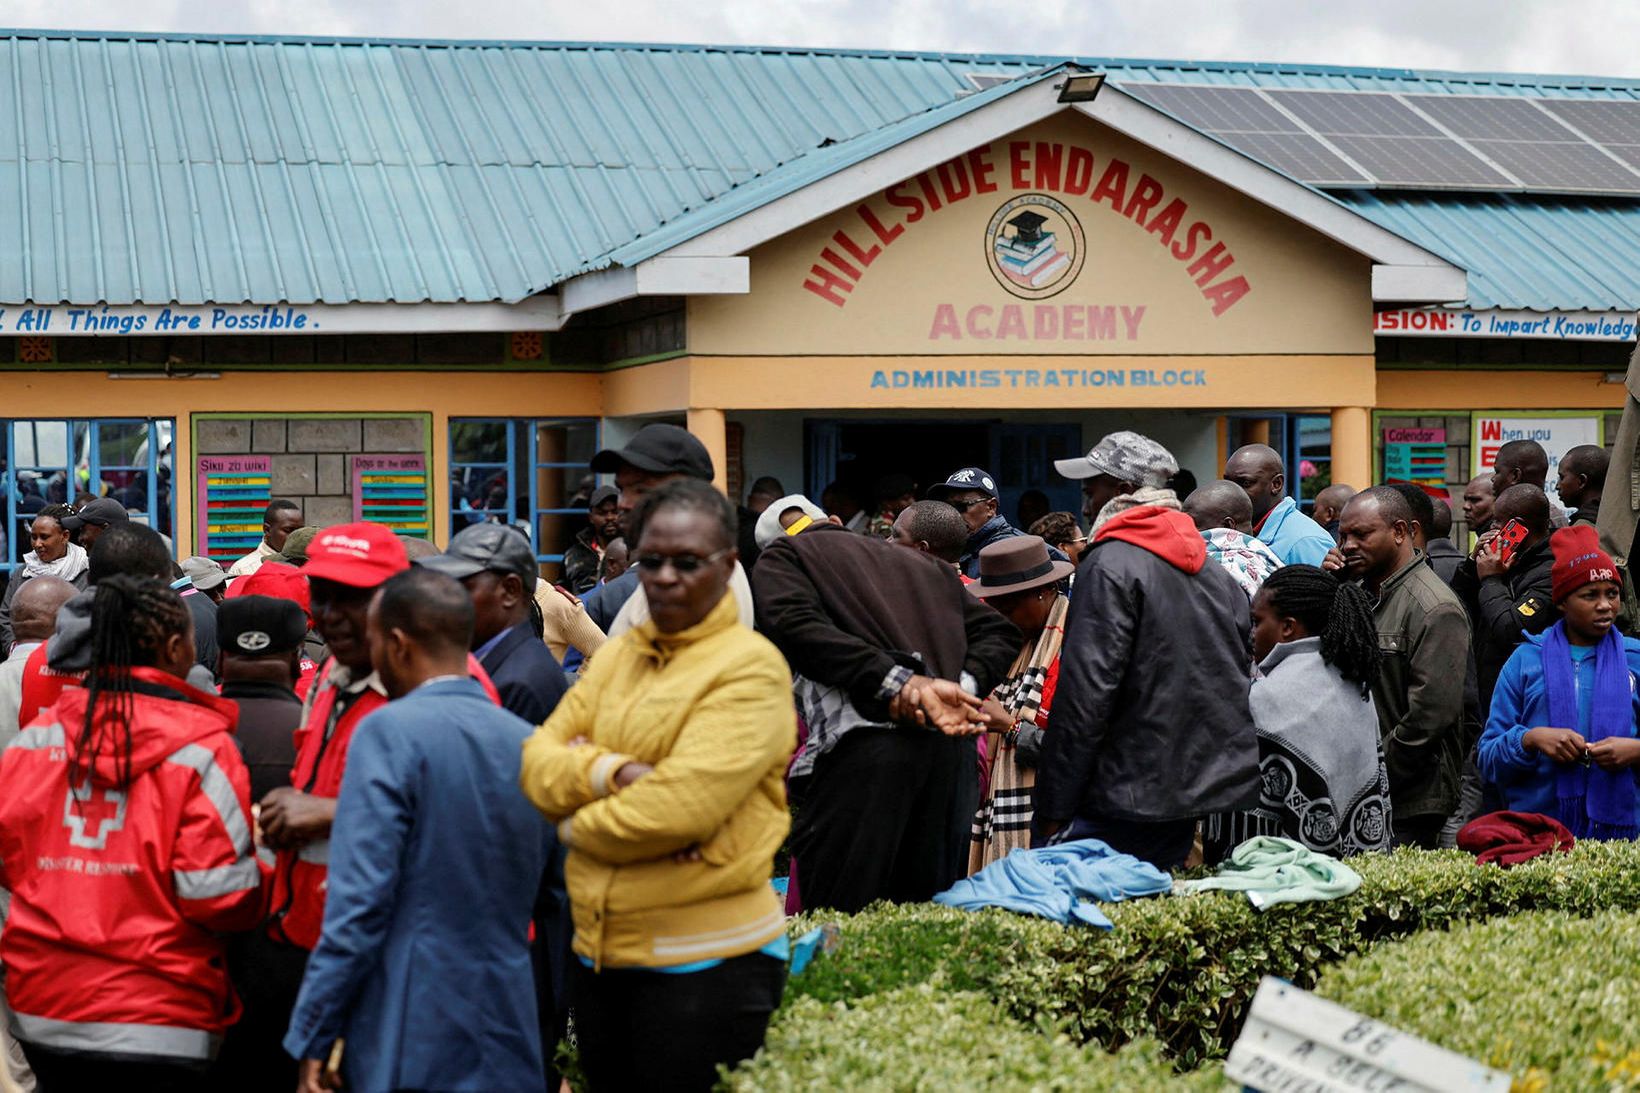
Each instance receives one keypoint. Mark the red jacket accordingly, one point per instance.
(332, 713)
(118, 896)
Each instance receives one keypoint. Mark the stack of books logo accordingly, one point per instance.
(1030, 257)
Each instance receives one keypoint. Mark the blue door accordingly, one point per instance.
(1022, 459)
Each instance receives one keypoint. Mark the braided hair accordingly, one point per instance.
(1338, 612)
(57, 512)
(131, 618)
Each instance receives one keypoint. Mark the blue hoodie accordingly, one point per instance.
(1293, 537)
(1520, 702)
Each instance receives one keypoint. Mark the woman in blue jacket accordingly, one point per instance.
(1561, 738)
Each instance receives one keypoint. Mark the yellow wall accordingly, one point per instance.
(870, 383)
(467, 394)
(929, 282)
(1471, 390)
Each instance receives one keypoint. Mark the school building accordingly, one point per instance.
(423, 282)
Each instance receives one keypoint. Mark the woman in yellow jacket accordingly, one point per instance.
(663, 769)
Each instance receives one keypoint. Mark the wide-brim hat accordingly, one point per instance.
(1017, 564)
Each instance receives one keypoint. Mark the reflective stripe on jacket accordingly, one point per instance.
(120, 892)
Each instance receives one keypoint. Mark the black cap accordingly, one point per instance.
(969, 478)
(659, 449)
(481, 547)
(260, 626)
(602, 494)
(102, 512)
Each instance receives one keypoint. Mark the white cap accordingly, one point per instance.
(768, 525)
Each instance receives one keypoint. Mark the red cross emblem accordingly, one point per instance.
(90, 814)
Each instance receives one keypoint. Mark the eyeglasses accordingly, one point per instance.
(964, 506)
(682, 563)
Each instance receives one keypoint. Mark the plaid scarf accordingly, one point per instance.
(1003, 822)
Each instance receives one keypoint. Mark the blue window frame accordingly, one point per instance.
(1304, 442)
(56, 461)
(533, 473)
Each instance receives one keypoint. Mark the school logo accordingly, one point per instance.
(1035, 247)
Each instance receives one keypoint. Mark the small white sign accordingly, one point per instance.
(1295, 1040)
(1556, 435)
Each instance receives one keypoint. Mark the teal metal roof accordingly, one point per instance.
(174, 168)
(1523, 252)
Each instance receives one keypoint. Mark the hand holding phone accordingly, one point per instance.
(1510, 537)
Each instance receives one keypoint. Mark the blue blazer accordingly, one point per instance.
(424, 961)
(526, 675)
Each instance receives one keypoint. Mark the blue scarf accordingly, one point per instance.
(1594, 803)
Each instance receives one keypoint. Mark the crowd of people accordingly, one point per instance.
(358, 812)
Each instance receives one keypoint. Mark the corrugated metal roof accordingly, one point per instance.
(1529, 252)
(176, 168)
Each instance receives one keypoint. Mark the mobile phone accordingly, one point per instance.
(1510, 536)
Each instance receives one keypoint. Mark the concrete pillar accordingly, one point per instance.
(711, 428)
(1352, 446)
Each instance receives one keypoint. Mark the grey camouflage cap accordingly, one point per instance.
(1126, 457)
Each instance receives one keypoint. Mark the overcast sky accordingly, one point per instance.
(1588, 37)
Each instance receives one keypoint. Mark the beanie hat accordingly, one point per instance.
(1578, 560)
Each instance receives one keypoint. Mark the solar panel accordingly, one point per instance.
(1578, 167)
(1299, 155)
(1605, 122)
(1613, 125)
(1389, 140)
(1218, 109)
(1530, 144)
(1362, 114)
(1243, 120)
(1434, 162)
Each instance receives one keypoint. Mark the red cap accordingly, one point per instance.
(1578, 560)
(360, 555)
(282, 582)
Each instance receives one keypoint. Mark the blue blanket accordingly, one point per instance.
(1059, 882)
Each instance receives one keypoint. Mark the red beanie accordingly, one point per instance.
(1578, 560)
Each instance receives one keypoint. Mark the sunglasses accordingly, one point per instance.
(682, 563)
(964, 506)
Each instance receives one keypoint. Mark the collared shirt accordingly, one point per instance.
(488, 647)
(251, 562)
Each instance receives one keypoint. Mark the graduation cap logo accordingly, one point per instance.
(1035, 246)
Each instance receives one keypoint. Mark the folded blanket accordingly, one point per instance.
(1272, 871)
(1057, 882)
(1509, 838)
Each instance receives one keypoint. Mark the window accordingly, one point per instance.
(71, 461)
(533, 473)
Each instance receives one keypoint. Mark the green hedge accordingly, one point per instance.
(1183, 969)
(925, 1037)
(1552, 998)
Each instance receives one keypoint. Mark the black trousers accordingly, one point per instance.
(1165, 844)
(652, 1030)
(886, 815)
(78, 1072)
(1420, 831)
(268, 976)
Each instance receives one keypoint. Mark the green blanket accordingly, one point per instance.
(1272, 871)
